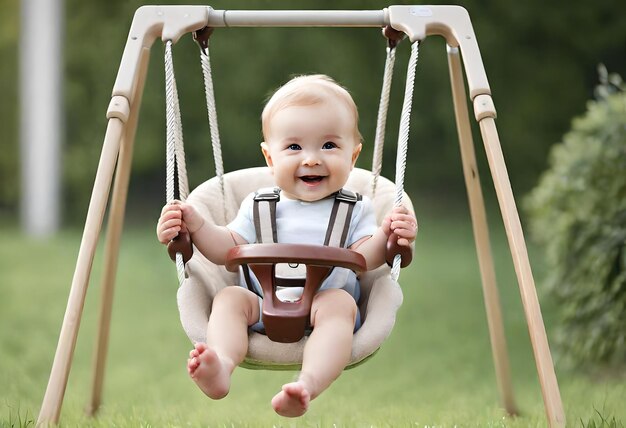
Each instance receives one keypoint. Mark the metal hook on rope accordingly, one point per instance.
(201, 37)
(393, 36)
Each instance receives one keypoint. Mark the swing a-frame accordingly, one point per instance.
(170, 23)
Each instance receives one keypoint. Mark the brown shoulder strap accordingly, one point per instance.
(340, 217)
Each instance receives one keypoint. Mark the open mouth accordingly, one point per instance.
(312, 179)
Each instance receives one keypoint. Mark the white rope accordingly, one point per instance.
(175, 154)
(381, 122)
(170, 116)
(180, 268)
(175, 148)
(183, 185)
(212, 113)
(403, 140)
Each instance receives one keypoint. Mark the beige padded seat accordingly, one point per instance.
(380, 295)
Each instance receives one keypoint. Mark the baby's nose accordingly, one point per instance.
(310, 159)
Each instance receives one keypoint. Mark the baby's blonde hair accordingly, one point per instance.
(308, 90)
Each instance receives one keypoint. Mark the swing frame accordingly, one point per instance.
(170, 23)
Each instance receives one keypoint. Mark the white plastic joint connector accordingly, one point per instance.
(454, 24)
(119, 107)
(167, 22)
(150, 23)
(484, 107)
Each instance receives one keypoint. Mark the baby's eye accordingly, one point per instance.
(294, 147)
(329, 145)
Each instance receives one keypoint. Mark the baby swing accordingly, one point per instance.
(220, 196)
(219, 199)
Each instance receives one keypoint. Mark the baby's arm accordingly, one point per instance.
(212, 241)
(400, 221)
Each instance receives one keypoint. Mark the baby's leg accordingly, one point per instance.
(326, 353)
(211, 365)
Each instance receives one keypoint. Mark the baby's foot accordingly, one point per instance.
(292, 401)
(210, 373)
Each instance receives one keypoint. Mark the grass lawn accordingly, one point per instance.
(435, 369)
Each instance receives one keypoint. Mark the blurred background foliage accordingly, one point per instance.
(578, 214)
(540, 59)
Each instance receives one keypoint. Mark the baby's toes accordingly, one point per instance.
(200, 347)
(192, 365)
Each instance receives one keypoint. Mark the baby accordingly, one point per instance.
(312, 142)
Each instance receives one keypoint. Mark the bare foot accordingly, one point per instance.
(292, 401)
(211, 374)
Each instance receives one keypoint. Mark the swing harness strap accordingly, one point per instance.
(340, 216)
(264, 214)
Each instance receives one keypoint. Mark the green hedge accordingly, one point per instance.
(578, 212)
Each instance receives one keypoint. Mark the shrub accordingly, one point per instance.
(578, 213)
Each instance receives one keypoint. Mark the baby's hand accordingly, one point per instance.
(170, 223)
(177, 217)
(402, 222)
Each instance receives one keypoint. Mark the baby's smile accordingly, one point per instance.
(312, 179)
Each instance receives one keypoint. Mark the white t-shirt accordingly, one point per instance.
(299, 222)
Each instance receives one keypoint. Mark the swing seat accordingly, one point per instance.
(380, 295)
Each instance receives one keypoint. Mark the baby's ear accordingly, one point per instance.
(355, 153)
(266, 154)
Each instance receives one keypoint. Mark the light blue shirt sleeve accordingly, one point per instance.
(243, 223)
(363, 221)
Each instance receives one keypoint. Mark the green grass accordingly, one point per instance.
(435, 369)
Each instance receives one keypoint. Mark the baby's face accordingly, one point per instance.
(311, 149)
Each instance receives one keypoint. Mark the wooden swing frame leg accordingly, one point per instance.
(55, 391)
(481, 234)
(539, 340)
(112, 245)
